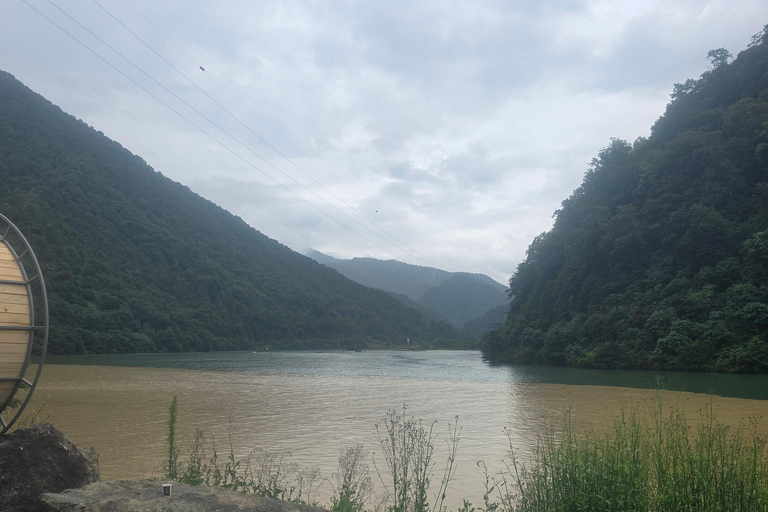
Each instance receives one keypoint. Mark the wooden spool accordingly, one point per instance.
(17, 319)
(14, 311)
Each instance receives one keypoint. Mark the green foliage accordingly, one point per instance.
(649, 461)
(476, 327)
(32, 416)
(719, 57)
(407, 446)
(354, 487)
(659, 260)
(135, 262)
(463, 297)
(262, 473)
(455, 297)
(171, 466)
(15, 401)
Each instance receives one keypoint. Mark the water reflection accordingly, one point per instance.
(442, 365)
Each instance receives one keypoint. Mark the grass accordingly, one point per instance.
(651, 460)
(353, 487)
(406, 443)
(268, 474)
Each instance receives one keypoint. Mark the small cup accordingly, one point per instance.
(167, 489)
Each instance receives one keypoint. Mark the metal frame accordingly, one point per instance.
(37, 279)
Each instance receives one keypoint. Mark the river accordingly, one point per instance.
(313, 403)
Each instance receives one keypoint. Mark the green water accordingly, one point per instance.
(467, 366)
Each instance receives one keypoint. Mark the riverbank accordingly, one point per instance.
(655, 458)
(122, 411)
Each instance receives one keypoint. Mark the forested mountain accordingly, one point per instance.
(455, 296)
(660, 258)
(426, 312)
(463, 297)
(494, 318)
(389, 275)
(136, 262)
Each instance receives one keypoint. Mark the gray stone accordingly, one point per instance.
(147, 496)
(41, 459)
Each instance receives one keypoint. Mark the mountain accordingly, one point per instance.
(455, 296)
(389, 275)
(321, 258)
(660, 258)
(491, 320)
(427, 313)
(463, 297)
(135, 262)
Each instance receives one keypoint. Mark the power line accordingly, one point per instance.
(224, 146)
(259, 137)
(408, 250)
(219, 127)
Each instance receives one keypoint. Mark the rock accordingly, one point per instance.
(41, 459)
(147, 496)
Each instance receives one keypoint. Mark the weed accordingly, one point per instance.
(268, 474)
(171, 466)
(650, 461)
(353, 487)
(408, 447)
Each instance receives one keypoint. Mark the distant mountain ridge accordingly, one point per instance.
(493, 319)
(135, 262)
(456, 296)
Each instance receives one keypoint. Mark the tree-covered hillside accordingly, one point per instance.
(475, 328)
(136, 262)
(464, 297)
(457, 297)
(660, 258)
(389, 275)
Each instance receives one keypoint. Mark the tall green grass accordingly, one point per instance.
(407, 448)
(264, 473)
(651, 460)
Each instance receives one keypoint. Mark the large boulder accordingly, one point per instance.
(147, 496)
(41, 459)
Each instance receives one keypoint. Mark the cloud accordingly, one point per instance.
(435, 132)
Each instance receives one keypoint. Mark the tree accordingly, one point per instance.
(760, 37)
(719, 57)
(658, 259)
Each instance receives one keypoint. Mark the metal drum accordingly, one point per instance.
(21, 284)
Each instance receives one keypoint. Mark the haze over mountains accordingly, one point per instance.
(135, 262)
(658, 260)
(457, 297)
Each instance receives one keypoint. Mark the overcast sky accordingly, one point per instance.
(440, 133)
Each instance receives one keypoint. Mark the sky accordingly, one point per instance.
(439, 133)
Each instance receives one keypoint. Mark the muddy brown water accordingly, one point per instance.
(122, 412)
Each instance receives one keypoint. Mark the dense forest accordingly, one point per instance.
(660, 258)
(135, 262)
(456, 297)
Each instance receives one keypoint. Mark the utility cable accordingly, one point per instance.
(412, 252)
(254, 133)
(262, 107)
(214, 139)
